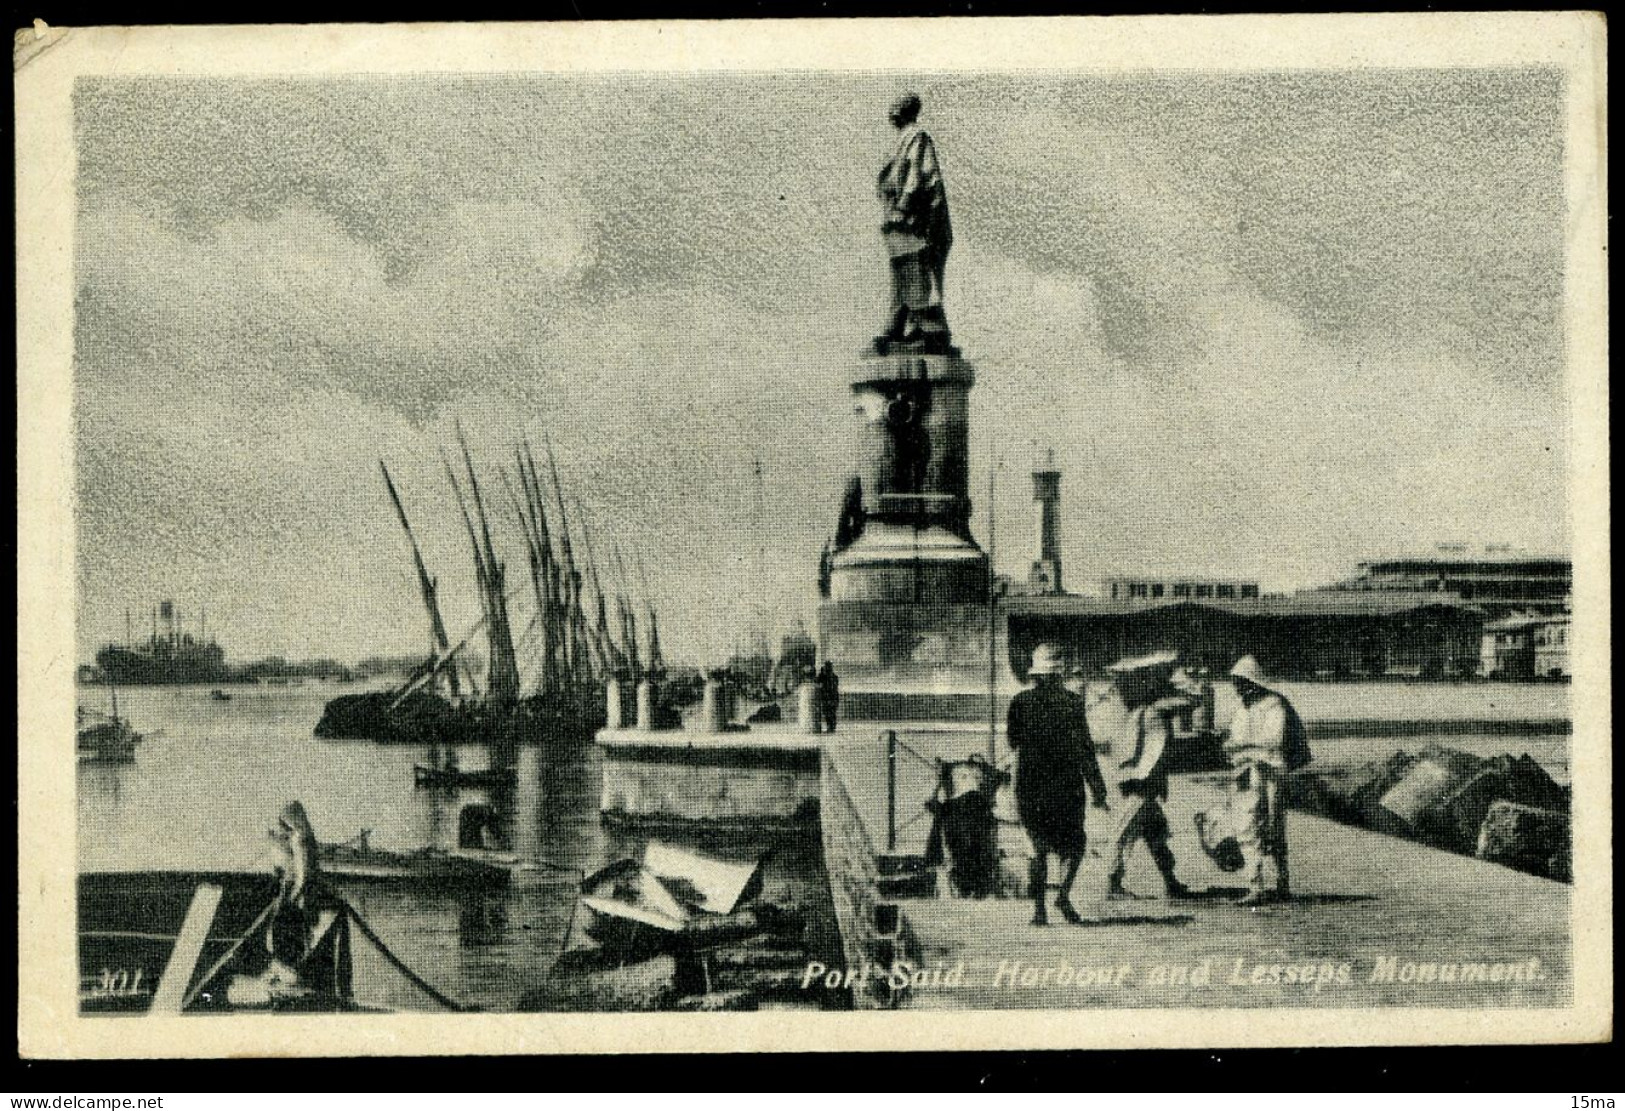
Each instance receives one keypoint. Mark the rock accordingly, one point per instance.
(765, 713)
(1351, 793)
(1436, 776)
(1453, 822)
(1525, 837)
(738, 1000)
(1528, 783)
(593, 980)
(1561, 865)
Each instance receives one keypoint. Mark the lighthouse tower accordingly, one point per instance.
(1045, 577)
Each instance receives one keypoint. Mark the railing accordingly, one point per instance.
(873, 933)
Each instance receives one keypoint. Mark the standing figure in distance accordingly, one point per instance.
(1152, 704)
(1055, 765)
(1266, 739)
(917, 232)
(829, 696)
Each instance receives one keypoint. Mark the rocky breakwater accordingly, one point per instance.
(1503, 809)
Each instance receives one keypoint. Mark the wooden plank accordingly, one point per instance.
(188, 948)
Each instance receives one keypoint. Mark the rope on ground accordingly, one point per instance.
(400, 966)
(928, 761)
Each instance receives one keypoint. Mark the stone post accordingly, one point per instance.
(807, 706)
(646, 705)
(714, 707)
(616, 715)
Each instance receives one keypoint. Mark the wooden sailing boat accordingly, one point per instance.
(550, 676)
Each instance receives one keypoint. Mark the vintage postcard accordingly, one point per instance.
(827, 535)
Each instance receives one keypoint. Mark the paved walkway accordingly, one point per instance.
(1376, 920)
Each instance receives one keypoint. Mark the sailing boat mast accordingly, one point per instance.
(657, 661)
(612, 659)
(547, 586)
(503, 682)
(572, 585)
(629, 621)
(438, 641)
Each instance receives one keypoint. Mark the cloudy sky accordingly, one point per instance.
(1271, 325)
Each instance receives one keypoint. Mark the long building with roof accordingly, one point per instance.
(922, 654)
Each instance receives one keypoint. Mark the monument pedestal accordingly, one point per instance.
(907, 610)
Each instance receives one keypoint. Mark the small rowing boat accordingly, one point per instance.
(672, 897)
(357, 861)
(110, 740)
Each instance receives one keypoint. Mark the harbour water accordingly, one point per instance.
(211, 776)
(209, 780)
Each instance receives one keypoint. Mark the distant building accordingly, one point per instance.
(1496, 579)
(1526, 646)
(1310, 634)
(1143, 588)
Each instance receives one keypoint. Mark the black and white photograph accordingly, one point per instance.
(1046, 517)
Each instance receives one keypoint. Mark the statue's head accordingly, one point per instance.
(905, 110)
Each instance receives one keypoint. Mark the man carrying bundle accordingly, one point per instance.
(1152, 703)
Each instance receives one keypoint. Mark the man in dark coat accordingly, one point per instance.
(1055, 770)
(829, 696)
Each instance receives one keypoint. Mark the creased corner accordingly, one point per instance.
(30, 42)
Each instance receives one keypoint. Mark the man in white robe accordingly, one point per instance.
(1256, 747)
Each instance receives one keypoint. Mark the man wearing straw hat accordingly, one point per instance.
(1265, 740)
(1144, 684)
(1055, 766)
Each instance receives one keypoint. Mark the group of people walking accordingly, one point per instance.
(1058, 770)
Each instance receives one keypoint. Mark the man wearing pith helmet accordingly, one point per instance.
(1055, 768)
(1260, 736)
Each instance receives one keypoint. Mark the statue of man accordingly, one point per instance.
(916, 231)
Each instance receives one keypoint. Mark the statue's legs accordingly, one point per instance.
(911, 292)
(916, 302)
(932, 316)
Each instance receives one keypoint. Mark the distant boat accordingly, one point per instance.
(105, 738)
(452, 777)
(219, 695)
(169, 655)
